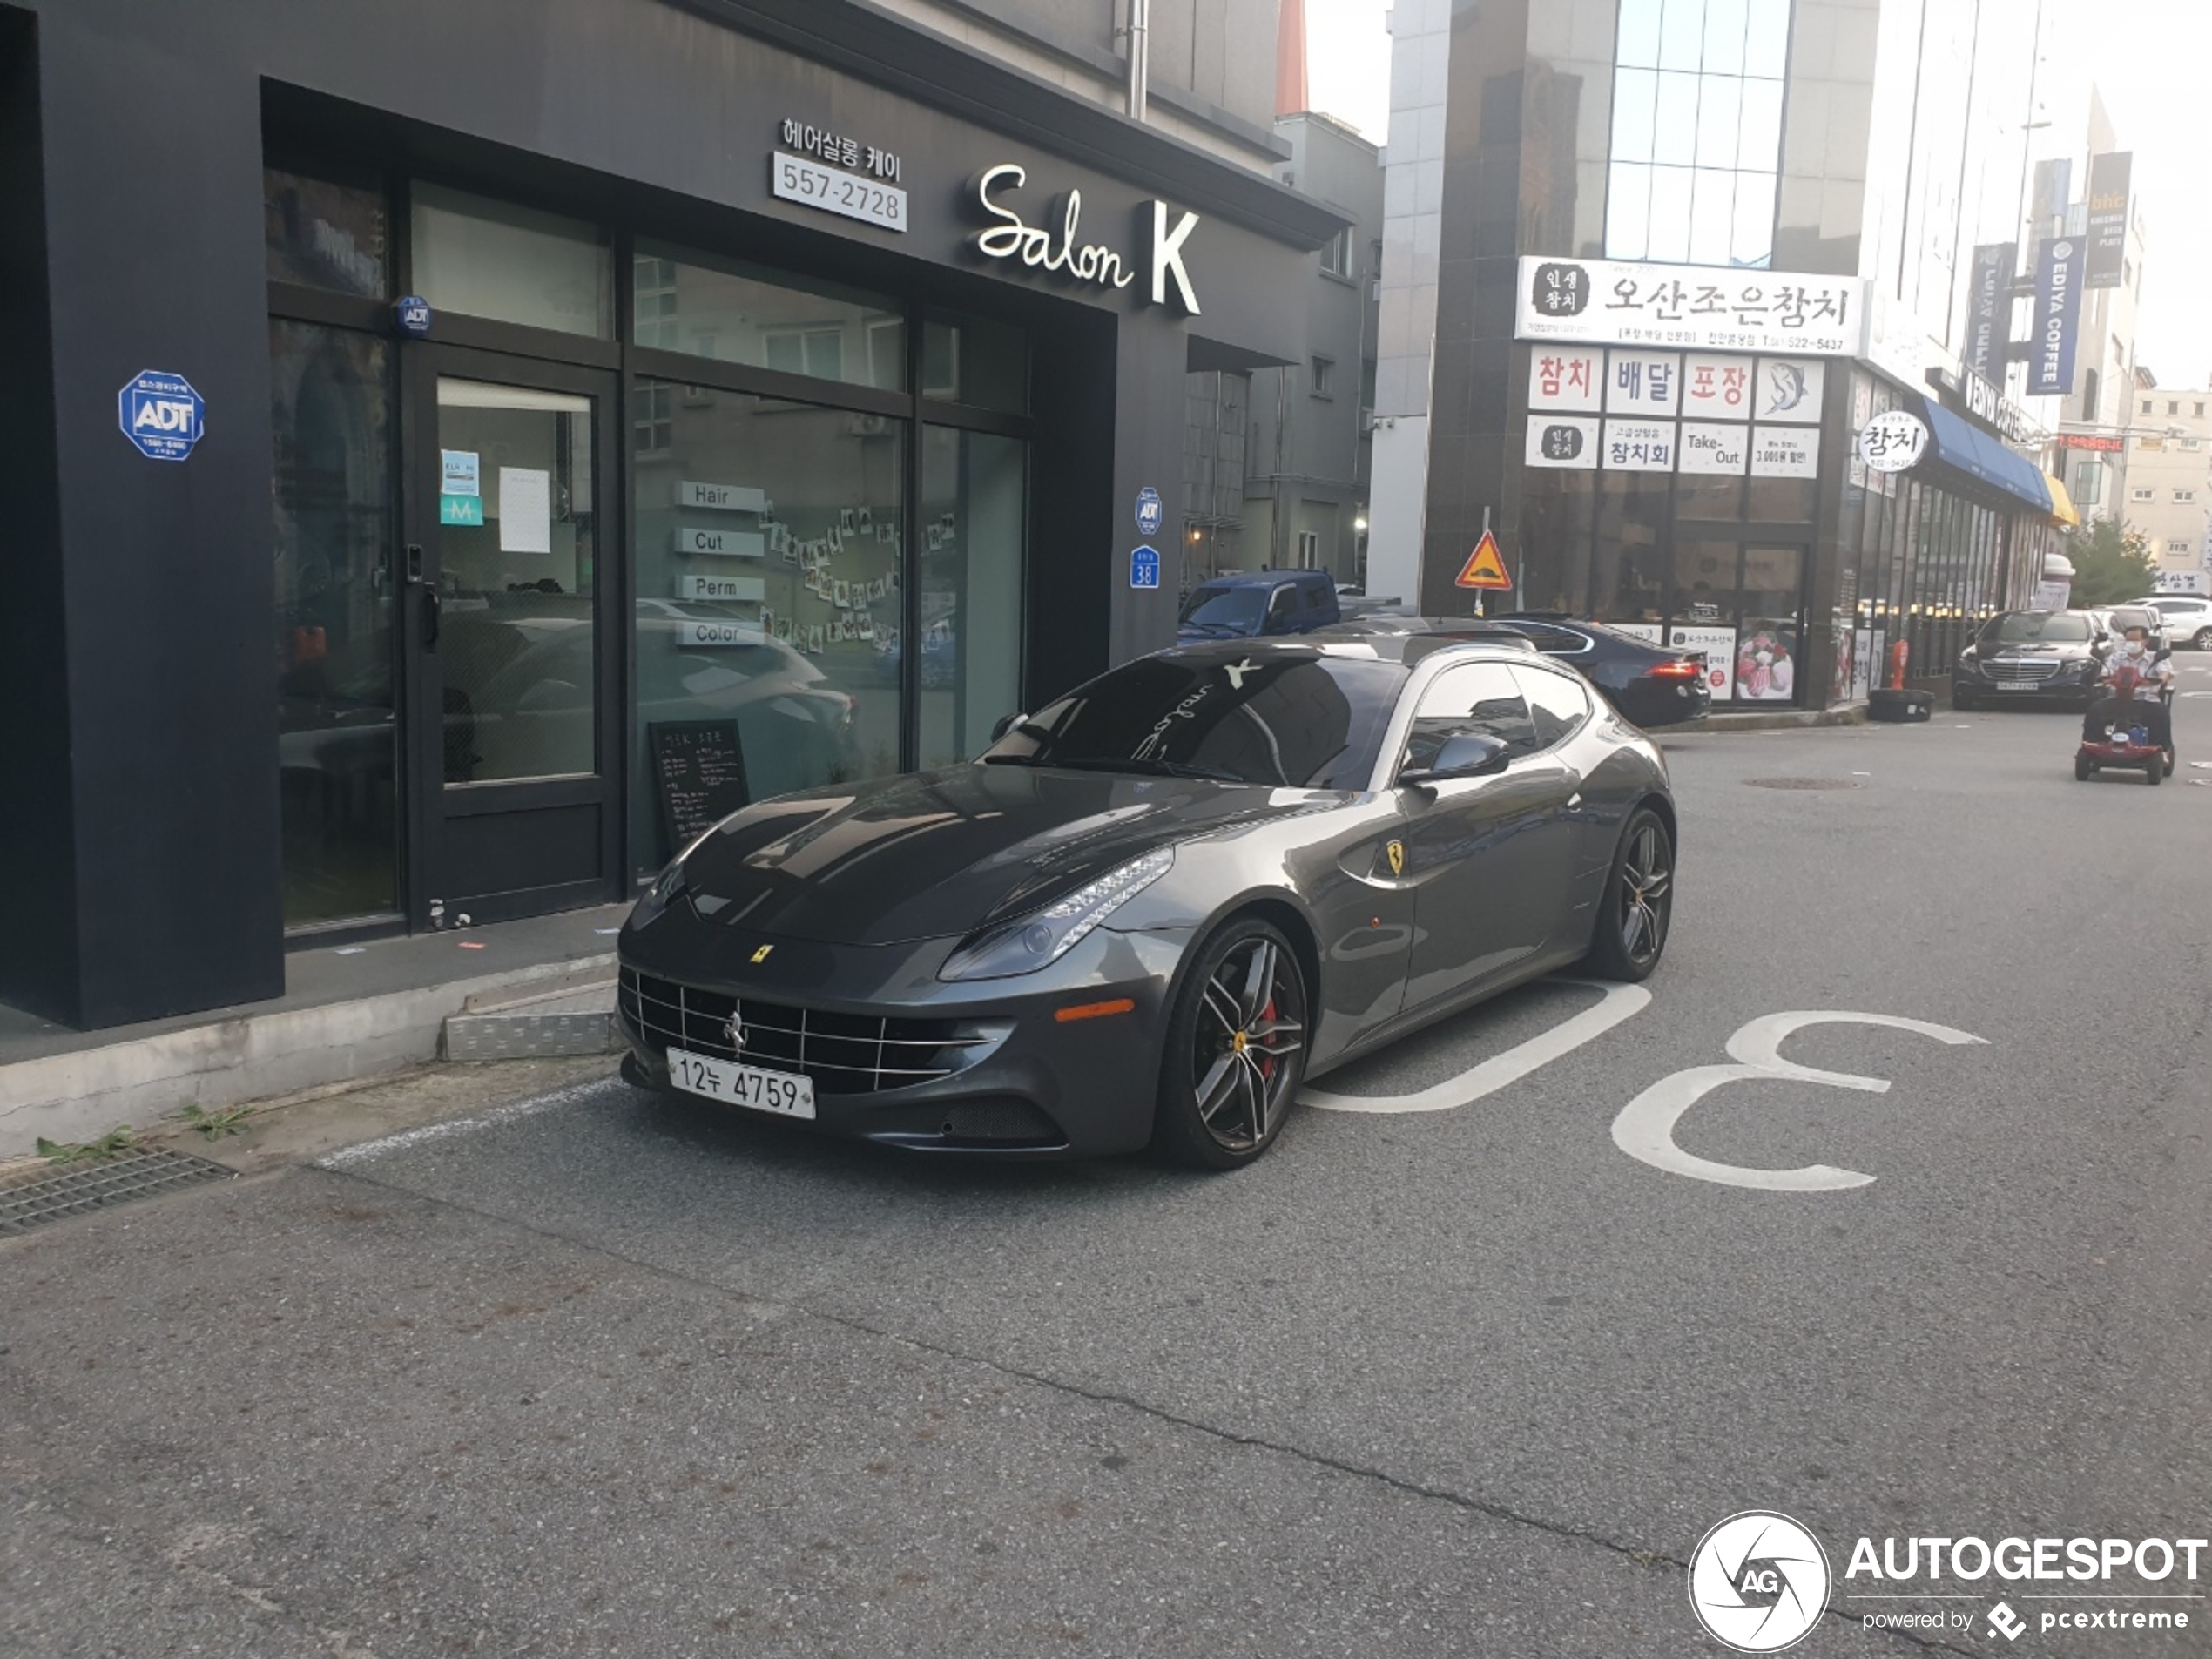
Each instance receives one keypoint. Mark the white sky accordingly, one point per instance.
(2148, 59)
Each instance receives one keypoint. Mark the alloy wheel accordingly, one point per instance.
(1249, 1030)
(1647, 893)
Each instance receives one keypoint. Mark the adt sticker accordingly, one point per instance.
(1144, 567)
(413, 315)
(162, 415)
(1149, 511)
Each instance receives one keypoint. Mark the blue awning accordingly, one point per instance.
(1962, 446)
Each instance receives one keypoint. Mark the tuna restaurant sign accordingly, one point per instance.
(1057, 248)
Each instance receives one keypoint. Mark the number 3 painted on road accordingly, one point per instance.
(1645, 1129)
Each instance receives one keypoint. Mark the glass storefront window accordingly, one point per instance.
(1629, 580)
(331, 407)
(478, 257)
(737, 313)
(1556, 508)
(769, 570)
(975, 505)
(326, 235)
(967, 360)
(518, 643)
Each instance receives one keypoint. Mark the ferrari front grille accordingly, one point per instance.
(845, 1053)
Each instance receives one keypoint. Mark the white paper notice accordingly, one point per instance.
(525, 510)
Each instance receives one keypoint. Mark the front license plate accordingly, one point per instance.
(2019, 686)
(783, 1093)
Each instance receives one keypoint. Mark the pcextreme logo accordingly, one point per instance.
(1758, 1582)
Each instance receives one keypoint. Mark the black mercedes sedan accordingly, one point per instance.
(1147, 914)
(2030, 657)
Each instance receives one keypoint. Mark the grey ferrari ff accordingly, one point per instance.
(1147, 914)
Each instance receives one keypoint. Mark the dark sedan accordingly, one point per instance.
(1149, 912)
(2029, 657)
(1653, 686)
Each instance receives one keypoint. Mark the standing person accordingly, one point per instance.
(2153, 676)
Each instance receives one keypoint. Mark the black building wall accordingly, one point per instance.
(37, 855)
(144, 848)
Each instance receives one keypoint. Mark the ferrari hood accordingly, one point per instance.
(941, 854)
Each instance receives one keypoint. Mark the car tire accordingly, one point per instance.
(2082, 767)
(1633, 917)
(1235, 1048)
(2203, 639)
(2154, 773)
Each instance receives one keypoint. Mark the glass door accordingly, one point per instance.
(515, 670)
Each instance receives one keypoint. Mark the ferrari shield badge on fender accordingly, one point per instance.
(1396, 853)
(761, 955)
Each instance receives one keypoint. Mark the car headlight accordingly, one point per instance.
(1044, 936)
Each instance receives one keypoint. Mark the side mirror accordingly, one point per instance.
(1006, 722)
(1464, 754)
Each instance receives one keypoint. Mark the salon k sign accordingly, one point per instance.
(1058, 247)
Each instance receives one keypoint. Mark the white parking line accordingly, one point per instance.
(513, 1112)
(1620, 1002)
(1645, 1129)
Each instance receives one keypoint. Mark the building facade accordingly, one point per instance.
(436, 486)
(2168, 484)
(1650, 266)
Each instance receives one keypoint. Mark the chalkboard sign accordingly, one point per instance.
(699, 768)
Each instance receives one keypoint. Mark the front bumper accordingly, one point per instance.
(1025, 1084)
(2060, 688)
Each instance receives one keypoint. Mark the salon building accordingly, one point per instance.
(447, 444)
(1649, 266)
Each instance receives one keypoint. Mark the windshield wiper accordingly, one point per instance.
(1149, 767)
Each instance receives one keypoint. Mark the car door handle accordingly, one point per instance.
(430, 612)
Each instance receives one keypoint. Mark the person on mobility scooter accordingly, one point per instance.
(2132, 725)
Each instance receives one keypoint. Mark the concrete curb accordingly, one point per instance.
(82, 1095)
(1779, 720)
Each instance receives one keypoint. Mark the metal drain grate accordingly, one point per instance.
(1799, 783)
(138, 1172)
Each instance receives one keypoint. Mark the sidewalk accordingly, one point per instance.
(348, 1013)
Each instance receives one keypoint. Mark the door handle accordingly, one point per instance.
(430, 617)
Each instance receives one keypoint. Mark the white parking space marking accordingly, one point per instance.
(1645, 1129)
(1621, 1002)
(507, 1114)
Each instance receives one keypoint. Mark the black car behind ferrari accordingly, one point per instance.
(1148, 913)
(1653, 686)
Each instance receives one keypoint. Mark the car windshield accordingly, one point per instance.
(1287, 719)
(1236, 607)
(2027, 627)
(2128, 616)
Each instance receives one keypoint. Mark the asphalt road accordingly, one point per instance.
(600, 1373)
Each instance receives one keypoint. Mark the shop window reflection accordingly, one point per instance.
(739, 313)
(768, 558)
(975, 504)
(336, 739)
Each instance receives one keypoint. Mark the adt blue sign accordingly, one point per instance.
(1148, 512)
(412, 315)
(162, 415)
(1144, 567)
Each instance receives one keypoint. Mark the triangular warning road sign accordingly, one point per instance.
(1484, 568)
